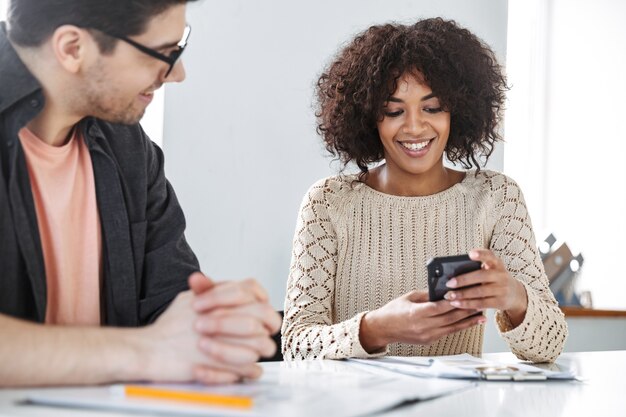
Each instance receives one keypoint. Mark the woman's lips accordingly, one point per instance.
(415, 148)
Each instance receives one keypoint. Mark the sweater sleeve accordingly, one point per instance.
(308, 331)
(541, 335)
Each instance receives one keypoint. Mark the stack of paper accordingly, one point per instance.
(463, 366)
(306, 388)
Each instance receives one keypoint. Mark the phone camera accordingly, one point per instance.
(438, 271)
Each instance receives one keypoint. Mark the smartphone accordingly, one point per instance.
(442, 269)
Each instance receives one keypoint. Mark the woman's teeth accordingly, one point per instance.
(415, 146)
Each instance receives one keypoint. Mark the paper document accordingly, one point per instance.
(306, 388)
(464, 366)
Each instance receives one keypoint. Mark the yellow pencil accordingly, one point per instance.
(188, 396)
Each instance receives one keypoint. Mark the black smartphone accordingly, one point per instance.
(442, 269)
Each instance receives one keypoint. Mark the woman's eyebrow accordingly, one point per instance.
(399, 100)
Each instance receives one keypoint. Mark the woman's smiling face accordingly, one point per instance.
(414, 128)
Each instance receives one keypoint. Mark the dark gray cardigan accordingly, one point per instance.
(146, 259)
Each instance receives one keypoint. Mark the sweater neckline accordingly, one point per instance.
(469, 176)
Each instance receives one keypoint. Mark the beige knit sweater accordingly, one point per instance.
(355, 249)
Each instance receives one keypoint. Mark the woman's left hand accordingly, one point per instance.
(493, 287)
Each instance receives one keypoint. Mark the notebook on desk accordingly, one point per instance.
(317, 388)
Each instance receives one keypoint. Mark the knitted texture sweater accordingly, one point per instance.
(355, 249)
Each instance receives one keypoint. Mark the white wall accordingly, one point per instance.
(239, 136)
(587, 140)
(585, 334)
(567, 134)
(152, 120)
(3, 9)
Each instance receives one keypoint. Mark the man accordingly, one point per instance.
(91, 232)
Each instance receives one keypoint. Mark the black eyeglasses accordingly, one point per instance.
(169, 59)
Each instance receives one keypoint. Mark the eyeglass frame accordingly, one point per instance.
(171, 59)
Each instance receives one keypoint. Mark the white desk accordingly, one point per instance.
(601, 394)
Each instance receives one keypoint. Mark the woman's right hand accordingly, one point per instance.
(413, 319)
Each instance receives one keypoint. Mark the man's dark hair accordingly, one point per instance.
(461, 70)
(31, 22)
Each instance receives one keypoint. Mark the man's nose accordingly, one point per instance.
(177, 74)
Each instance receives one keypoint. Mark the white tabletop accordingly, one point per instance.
(601, 393)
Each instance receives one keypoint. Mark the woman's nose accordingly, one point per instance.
(415, 124)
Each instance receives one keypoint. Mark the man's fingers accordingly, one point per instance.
(230, 325)
(229, 294)
(227, 353)
(211, 376)
(273, 321)
(214, 375)
(263, 345)
(257, 289)
(260, 311)
(199, 283)
(219, 355)
(222, 295)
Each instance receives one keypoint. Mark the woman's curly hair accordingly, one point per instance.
(461, 70)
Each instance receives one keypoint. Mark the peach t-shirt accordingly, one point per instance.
(64, 191)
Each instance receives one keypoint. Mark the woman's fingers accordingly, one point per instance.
(488, 259)
(456, 321)
(465, 323)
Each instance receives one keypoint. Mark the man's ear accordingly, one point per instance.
(71, 46)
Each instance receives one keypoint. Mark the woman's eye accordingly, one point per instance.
(393, 113)
(433, 110)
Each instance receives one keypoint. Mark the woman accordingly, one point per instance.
(393, 102)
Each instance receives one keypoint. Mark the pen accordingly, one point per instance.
(188, 396)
